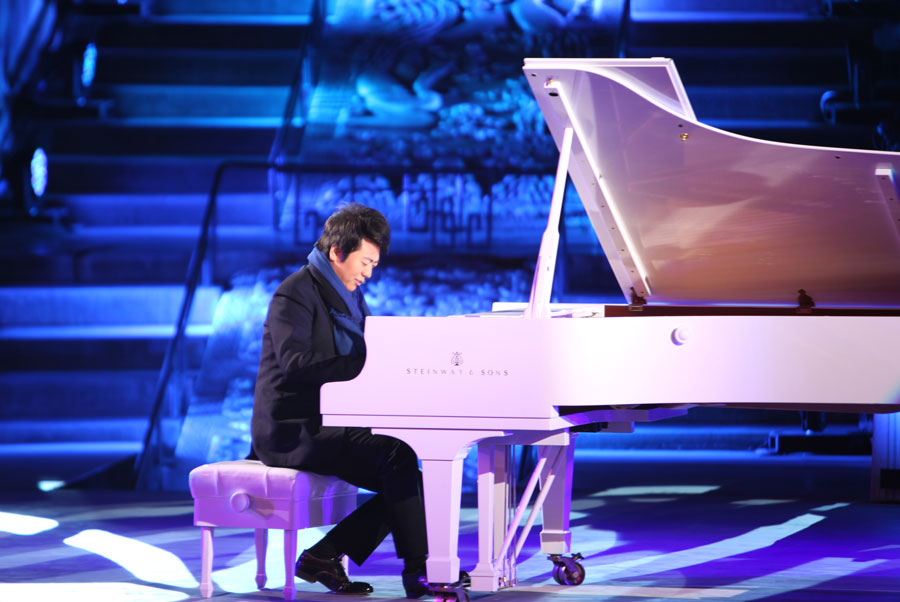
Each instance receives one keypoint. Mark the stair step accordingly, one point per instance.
(124, 429)
(101, 306)
(141, 255)
(65, 333)
(211, 32)
(760, 66)
(146, 211)
(181, 237)
(728, 12)
(80, 395)
(112, 353)
(263, 8)
(99, 174)
(166, 136)
(757, 103)
(115, 263)
(156, 100)
(733, 28)
(197, 66)
(24, 465)
(98, 327)
(235, 20)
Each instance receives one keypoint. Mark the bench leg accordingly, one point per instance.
(206, 560)
(261, 537)
(290, 561)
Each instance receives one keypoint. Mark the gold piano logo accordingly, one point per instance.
(456, 360)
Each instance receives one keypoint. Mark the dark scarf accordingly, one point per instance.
(348, 329)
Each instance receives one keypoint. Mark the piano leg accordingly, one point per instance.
(492, 573)
(442, 480)
(556, 538)
(442, 454)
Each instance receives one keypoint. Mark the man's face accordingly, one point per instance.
(355, 268)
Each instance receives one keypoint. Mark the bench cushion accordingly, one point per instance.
(247, 493)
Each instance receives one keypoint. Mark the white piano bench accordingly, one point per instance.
(249, 494)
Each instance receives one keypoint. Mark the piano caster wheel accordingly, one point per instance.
(567, 570)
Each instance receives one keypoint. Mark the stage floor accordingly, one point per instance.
(651, 526)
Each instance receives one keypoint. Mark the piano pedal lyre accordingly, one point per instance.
(566, 568)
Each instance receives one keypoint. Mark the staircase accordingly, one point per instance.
(92, 291)
(80, 366)
(175, 93)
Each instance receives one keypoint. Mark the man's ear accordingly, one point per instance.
(335, 255)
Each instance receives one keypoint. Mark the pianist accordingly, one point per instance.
(313, 334)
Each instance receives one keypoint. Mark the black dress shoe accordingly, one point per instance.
(416, 582)
(330, 573)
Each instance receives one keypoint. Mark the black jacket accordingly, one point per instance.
(298, 356)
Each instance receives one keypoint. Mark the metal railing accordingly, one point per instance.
(304, 78)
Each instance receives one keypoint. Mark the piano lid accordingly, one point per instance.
(691, 215)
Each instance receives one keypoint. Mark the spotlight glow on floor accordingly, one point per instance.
(240, 578)
(656, 490)
(144, 561)
(804, 576)
(759, 502)
(22, 524)
(677, 593)
(87, 592)
(755, 539)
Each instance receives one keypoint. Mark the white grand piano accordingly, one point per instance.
(755, 274)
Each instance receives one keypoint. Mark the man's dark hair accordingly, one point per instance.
(349, 225)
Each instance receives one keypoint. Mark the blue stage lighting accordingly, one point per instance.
(50, 485)
(88, 65)
(39, 172)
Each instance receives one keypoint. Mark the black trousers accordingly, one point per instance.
(388, 467)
